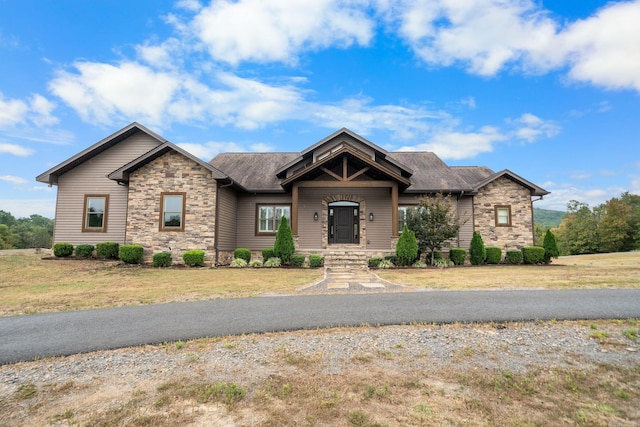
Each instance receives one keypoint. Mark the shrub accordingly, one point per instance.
(255, 263)
(238, 263)
(272, 262)
(297, 260)
(514, 257)
(477, 252)
(392, 259)
(242, 253)
(374, 262)
(193, 258)
(268, 253)
(62, 249)
(84, 251)
(407, 247)
(532, 254)
(316, 261)
(494, 254)
(131, 254)
(162, 259)
(385, 263)
(458, 255)
(550, 247)
(419, 264)
(107, 250)
(284, 246)
(443, 263)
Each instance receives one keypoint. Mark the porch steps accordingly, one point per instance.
(347, 260)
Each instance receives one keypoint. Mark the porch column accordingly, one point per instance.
(394, 207)
(294, 209)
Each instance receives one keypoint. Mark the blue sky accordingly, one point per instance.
(547, 89)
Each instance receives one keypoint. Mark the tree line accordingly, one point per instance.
(613, 226)
(36, 231)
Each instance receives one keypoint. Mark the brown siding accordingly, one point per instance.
(228, 205)
(90, 178)
(465, 213)
(246, 219)
(309, 231)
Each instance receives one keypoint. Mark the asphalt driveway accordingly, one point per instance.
(30, 337)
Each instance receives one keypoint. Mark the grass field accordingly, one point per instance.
(30, 284)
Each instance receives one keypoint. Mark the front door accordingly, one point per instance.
(343, 222)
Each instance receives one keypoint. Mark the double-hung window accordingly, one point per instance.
(402, 218)
(503, 216)
(95, 213)
(269, 217)
(172, 207)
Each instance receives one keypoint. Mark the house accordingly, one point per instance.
(341, 194)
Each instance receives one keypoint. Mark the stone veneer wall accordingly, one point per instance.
(172, 172)
(506, 192)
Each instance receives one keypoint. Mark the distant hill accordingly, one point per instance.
(547, 217)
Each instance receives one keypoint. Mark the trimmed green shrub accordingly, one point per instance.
(62, 249)
(162, 259)
(284, 246)
(193, 258)
(268, 253)
(419, 264)
(458, 255)
(514, 257)
(131, 254)
(272, 262)
(297, 260)
(494, 254)
(255, 263)
(407, 247)
(435, 256)
(84, 251)
(550, 247)
(374, 262)
(392, 259)
(532, 254)
(238, 263)
(477, 252)
(242, 253)
(107, 250)
(385, 263)
(316, 261)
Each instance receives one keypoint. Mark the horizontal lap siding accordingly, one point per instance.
(309, 231)
(465, 213)
(227, 205)
(246, 219)
(90, 178)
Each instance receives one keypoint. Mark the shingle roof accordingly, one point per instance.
(254, 171)
(430, 173)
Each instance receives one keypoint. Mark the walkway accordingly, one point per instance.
(338, 280)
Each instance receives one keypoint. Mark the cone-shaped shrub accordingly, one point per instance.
(550, 247)
(284, 246)
(407, 247)
(477, 252)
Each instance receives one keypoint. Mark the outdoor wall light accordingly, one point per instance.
(315, 216)
(370, 216)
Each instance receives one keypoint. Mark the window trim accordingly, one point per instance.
(499, 207)
(161, 226)
(257, 217)
(85, 226)
(406, 209)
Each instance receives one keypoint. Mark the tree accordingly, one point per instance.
(407, 247)
(433, 222)
(6, 239)
(578, 233)
(550, 247)
(615, 229)
(477, 251)
(284, 246)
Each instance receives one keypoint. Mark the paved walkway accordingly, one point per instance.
(345, 280)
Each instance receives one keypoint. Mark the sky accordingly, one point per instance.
(547, 89)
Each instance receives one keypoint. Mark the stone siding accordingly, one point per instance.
(172, 172)
(504, 192)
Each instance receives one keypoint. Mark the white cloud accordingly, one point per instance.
(277, 30)
(460, 145)
(12, 111)
(561, 194)
(209, 150)
(23, 208)
(36, 110)
(16, 150)
(529, 128)
(13, 179)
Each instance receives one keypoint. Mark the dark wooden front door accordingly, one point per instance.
(344, 224)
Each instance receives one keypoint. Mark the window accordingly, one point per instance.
(95, 213)
(402, 218)
(503, 216)
(269, 216)
(172, 211)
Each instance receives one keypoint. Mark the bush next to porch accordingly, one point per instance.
(131, 254)
(284, 246)
(297, 260)
(407, 247)
(107, 250)
(316, 261)
(243, 253)
(62, 249)
(193, 258)
(477, 251)
(494, 254)
(514, 257)
(457, 255)
(532, 254)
